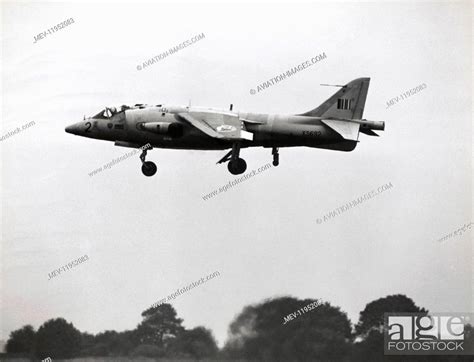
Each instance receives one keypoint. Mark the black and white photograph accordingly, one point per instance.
(249, 181)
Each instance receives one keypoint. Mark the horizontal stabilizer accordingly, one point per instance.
(348, 130)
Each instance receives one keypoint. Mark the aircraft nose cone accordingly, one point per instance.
(72, 129)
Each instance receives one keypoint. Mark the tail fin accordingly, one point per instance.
(347, 103)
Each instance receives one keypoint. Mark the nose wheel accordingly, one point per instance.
(148, 167)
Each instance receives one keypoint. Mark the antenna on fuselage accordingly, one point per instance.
(333, 85)
(189, 103)
(231, 106)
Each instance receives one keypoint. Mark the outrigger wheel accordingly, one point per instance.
(148, 168)
(276, 156)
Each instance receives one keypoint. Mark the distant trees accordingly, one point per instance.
(469, 338)
(109, 343)
(261, 332)
(369, 329)
(160, 325)
(22, 340)
(57, 338)
(320, 334)
(196, 343)
(372, 317)
(160, 334)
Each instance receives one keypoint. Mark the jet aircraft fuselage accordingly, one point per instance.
(334, 125)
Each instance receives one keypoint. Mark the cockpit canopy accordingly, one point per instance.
(109, 112)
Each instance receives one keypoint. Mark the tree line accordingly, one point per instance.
(257, 333)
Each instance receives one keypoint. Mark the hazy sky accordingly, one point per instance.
(146, 237)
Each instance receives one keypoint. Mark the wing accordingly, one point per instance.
(218, 125)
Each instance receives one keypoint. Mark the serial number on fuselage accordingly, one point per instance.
(311, 133)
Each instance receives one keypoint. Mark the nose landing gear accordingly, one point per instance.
(148, 167)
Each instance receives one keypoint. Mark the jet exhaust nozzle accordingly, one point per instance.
(374, 125)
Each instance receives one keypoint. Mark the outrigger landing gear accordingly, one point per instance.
(276, 156)
(236, 165)
(148, 168)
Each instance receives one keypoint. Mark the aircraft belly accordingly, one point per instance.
(197, 142)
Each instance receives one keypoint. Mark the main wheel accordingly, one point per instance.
(237, 166)
(149, 168)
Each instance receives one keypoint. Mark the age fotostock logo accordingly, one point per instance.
(418, 333)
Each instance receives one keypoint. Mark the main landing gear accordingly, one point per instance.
(236, 165)
(148, 168)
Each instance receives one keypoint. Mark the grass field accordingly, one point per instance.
(115, 359)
